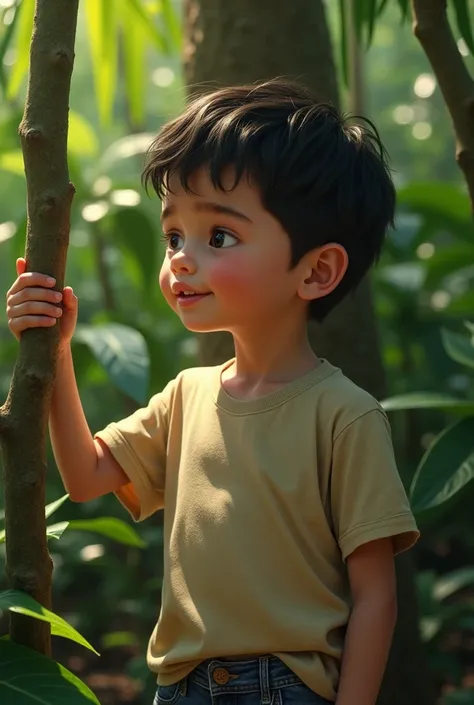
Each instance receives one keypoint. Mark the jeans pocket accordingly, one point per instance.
(168, 694)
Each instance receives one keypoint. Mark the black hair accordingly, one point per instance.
(322, 176)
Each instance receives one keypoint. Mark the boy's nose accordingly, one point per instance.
(182, 262)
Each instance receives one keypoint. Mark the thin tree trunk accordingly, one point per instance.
(234, 43)
(433, 31)
(24, 417)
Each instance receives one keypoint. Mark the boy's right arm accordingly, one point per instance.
(87, 467)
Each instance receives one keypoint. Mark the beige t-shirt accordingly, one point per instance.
(263, 499)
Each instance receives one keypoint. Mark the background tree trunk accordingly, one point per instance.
(231, 43)
(24, 417)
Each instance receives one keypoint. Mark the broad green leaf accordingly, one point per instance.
(381, 7)
(114, 639)
(458, 347)
(123, 354)
(51, 508)
(172, 24)
(371, 10)
(133, 230)
(112, 528)
(139, 15)
(428, 400)
(17, 601)
(446, 467)
(2, 536)
(404, 4)
(102, 29)
(12, 162)
(25, 30)
(55, 531)
(436, 198)
(29, 678)
(126, 147)
(82, 139)
(8, 33)
(446, 260)
(463, 21)
(134, 59)
(462, 305)
(450, 583)
(343, 43)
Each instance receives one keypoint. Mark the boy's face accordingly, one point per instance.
(227, 246)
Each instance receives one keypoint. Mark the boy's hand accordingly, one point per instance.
(32, 303)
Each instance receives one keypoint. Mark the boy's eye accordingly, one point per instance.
(221, 238)
(173, 240)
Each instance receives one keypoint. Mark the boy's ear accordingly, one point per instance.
(322, 271)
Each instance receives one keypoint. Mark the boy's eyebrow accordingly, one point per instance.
(208, 206)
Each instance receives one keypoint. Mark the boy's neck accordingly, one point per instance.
(264, 364)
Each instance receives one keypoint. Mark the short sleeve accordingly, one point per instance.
(368, 500)
(138, 443)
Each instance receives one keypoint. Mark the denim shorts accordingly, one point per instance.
(261, 681)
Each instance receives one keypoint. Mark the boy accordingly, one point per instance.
(283, 504)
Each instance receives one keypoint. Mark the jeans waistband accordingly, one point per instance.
(255, 675)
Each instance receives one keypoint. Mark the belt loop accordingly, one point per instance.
(264, 680)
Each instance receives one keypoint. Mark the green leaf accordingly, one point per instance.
(103, 38)
(134, 61)
(55, 531)
(82, 139)
(450, 583)
(126, 147)
(446, 467)
(118, 639)
(446, 260)
(13, 162)
(404, 4)
(458, 347)
(2, 536)
(134, 231)
(51, 508)
(428, 400)
(20, 602)
(343, 43)
(112, 528)
(123, 354)
(29, 678)
(6, 41)
(463, 21)
(142, 17)
(437, 198)
(372, 12)
(172, 24)
(25, 29)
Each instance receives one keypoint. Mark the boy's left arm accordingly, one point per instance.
(370, 629)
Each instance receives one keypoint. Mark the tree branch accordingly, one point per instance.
(433, 31)
(24, 417)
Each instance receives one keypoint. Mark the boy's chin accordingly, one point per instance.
(203, 326)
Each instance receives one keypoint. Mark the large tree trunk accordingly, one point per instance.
(231, 43)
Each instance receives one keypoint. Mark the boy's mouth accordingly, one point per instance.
(187, 298)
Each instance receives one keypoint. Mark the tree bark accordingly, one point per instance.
(432, 29)
(234, 43)
(24, 416)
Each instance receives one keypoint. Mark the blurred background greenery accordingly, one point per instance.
(129, 344)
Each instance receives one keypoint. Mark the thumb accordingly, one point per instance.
(20, 266)
(69, 299)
